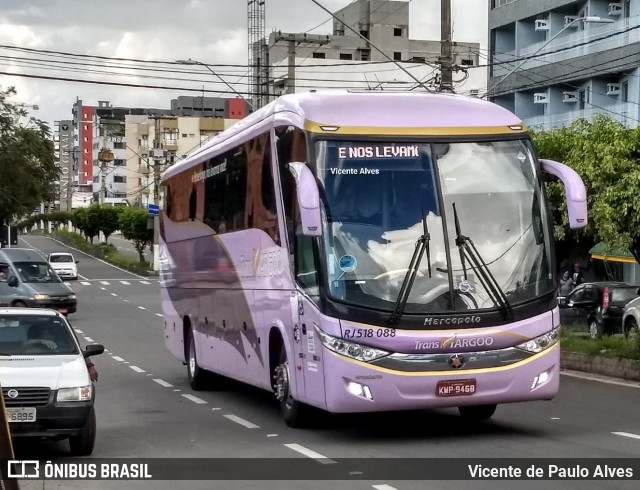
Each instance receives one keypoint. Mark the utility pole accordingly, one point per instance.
(158, 155)
(294, 40)
(105, 156)
(446, 59)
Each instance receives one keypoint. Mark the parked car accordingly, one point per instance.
(631, 318)
(64, 264)
(26, 279)
(45, 382)
(599, 304)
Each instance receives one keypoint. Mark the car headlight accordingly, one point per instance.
(72, 296)
(40, 296)
(350, 349)
(542, 342)
(79, 394)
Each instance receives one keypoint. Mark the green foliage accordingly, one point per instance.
(133, 225)
(27, 162)
(606, 155)
(607, 346)
(88, 220)
(109, 220)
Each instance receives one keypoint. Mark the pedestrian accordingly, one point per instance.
(566, 284)
(578, 276)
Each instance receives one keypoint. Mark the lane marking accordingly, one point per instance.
(119, 359)
(555, 418)
(85, 283)
(78, 330)
(104, 289)
(194, 399)
(106, 283)
(217, 408)
(142, 307)
(159, 314)
(125, 282)
(137, 369)
(88, 339)
(310, 453)
(145, 282)
(162, 382)
(114, 294)
(272, 435)
(177, 390)
(384, 486)
(241, 421)
(627, 434)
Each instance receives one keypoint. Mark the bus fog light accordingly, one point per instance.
(540, 379)
(358, 389)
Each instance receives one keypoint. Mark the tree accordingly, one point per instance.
(607, 156)
(109, 220)
(88, 220)
(133, 225)
(27, 162)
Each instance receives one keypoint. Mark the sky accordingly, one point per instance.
(210, 31)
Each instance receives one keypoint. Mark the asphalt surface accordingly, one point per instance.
(146, 409)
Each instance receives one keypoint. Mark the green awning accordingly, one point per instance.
(602, 252)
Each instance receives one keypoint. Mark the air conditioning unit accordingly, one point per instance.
(542, 25)
(474, 92)
(569, 97)
(570, 20)
(615, 9)
(613, 88)
(541, 98)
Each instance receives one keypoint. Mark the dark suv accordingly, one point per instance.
(600, 304)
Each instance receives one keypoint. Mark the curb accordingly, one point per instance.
(614, 367)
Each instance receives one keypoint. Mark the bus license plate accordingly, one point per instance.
(21, 414)
(461, 387)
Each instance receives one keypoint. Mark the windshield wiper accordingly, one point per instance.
(469, 252)
(422, 246)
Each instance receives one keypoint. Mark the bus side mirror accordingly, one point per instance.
(308, 199)
(575, 192)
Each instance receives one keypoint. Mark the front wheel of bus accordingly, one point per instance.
(196, 374)
(292, 411)
(478, 412)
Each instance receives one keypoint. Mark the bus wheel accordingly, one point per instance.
(477, 412)
(196, 374)
(292, 411)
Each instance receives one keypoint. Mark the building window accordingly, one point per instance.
(85, 139)
(184, 135)
(119, 162)
(365, 34)
(319, 56)
(119, 179)
(466, 62)
(346, 56)
(397, 56)
(397, 31)
(119, 144)
(365, 55)
(625, 92)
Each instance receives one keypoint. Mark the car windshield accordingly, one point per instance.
(380, 197)
(32, 334)
(60, 258)
(36, 272)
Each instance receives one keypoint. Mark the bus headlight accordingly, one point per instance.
(79, 394)
(541, 342)
(355, 351)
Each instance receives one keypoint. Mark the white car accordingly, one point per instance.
(45, 381)
(64, 264)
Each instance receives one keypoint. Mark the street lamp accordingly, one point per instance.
(598, 20)
(200, 63)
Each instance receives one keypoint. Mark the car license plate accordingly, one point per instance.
(460, 387)
(21, 414)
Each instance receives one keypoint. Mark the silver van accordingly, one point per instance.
(27, 280)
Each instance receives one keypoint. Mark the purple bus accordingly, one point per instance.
(361, 252)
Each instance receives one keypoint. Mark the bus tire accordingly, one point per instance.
(195, 373)
(293, 412)
(477, 412)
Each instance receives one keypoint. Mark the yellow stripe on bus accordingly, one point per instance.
(315, 127)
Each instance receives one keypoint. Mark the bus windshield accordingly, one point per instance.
(380, 196)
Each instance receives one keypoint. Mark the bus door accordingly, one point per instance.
(308, 351)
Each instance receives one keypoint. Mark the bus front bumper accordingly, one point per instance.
(353, 386)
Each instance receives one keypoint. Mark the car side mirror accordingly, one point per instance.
(77, 261)
(93, 350)
(308, 198)
(575, 193)
(638, 291)
(12, 282)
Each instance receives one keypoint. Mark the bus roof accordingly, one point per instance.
(364, 113)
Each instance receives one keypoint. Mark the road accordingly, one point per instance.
(146, 408)
(126, 248)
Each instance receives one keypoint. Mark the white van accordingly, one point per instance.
(45, 382)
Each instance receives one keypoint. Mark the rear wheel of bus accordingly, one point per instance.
(477, 412)
(294, 413)
(197, 375)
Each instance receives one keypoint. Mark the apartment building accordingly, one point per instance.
(555, 61)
